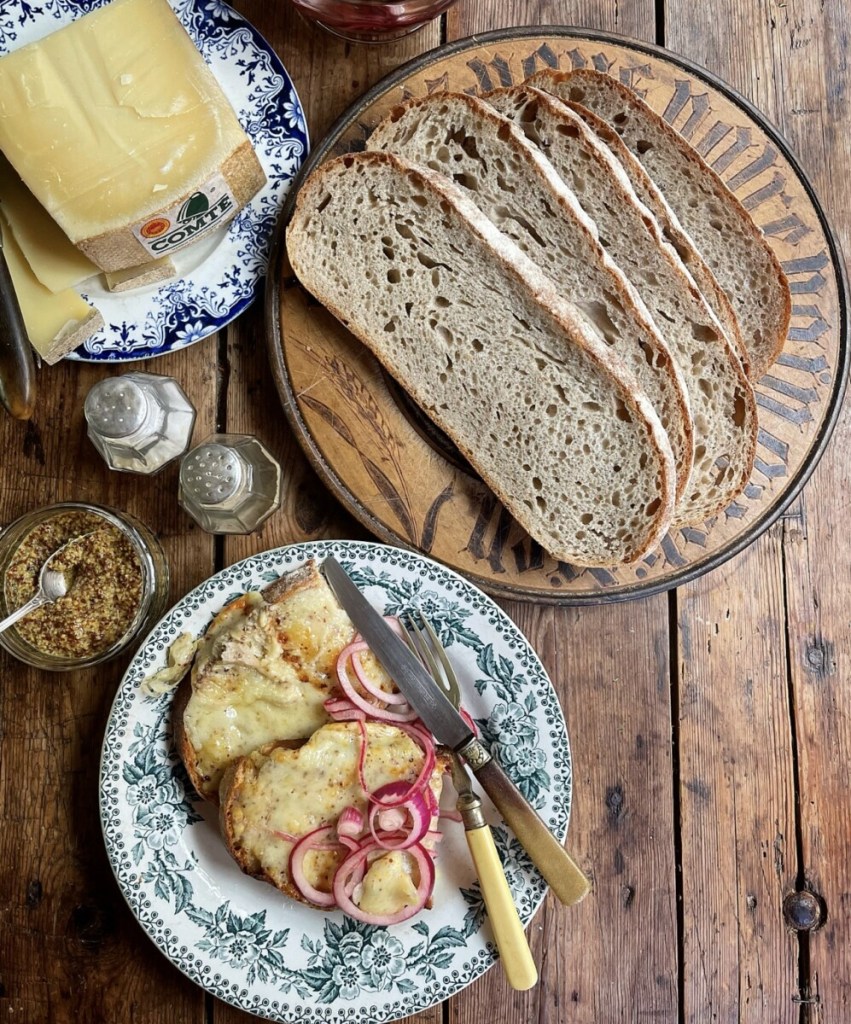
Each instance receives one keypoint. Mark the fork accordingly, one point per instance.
(508, 931)
(548, 855)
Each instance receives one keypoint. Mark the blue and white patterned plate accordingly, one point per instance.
(218, 277)
(239, 938)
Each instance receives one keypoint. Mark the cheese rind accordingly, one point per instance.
(140, 277)
(118, 126)
(56, 322)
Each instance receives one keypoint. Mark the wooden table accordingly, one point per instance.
(710, 727)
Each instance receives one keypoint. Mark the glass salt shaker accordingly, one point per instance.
(230, 483)
(139, 421)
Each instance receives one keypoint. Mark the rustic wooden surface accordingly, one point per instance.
(710, 727)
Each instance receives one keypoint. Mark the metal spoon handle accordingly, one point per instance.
(25, 609)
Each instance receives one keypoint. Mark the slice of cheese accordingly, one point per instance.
(52, 258)
(56, 322)
(120, 130)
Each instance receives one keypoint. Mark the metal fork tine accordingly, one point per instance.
(419, 644)
(439, 650)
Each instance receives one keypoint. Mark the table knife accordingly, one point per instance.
(450, 729)
(17, 371)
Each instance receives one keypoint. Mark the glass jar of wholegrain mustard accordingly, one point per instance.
(117, 580)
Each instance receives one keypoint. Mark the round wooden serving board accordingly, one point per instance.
(399, 475)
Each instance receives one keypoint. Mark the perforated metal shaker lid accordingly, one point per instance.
(211, 473)
(116, 407)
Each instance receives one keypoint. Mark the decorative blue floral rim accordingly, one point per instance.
(218, 278)
(259, 950)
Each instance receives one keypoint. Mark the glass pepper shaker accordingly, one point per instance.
(230, 483)
(139, 421)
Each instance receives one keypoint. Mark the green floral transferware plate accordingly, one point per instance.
(237, 937)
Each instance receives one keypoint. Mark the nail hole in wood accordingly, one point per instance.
(34, 894)
(803, 911)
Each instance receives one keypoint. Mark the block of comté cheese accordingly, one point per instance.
(121, 131)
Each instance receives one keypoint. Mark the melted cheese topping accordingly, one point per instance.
(388, 885)
(263, 673)
(296, 791)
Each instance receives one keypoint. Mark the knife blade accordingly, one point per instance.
(449, 728)
(17, 371)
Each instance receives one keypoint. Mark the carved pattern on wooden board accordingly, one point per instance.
(401, 480)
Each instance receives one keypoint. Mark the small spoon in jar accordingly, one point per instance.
(52, 584)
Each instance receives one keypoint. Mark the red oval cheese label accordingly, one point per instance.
(156, 227)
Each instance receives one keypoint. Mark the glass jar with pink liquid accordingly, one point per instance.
(371, 21)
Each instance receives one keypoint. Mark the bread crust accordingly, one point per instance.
(181, 740)
(549, 110)
(672, 230)
(516, 265)
(760, 358)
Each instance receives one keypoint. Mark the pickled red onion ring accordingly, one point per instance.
(381, 714)
(308, 842)
(401, 796)
(341, 709)
(468, 719)
(346, 879)
(410, 820)
(350, 822)
(370, 686)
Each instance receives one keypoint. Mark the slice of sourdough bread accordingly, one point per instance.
(721, 398)
(722, 229)
(516, 188)
(482, 341)
(673, 232)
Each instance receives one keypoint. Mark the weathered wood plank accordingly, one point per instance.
(785, 58)
(69, 948)
(739, 856)
(613, 957)
(633, 18)
(810, 40)
(736, 792)
(591, 967)
(820, 643)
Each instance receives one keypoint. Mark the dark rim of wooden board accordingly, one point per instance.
(600, 591)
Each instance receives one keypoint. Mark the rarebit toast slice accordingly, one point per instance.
(484, 343)
(273, 796)
(262, 673)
